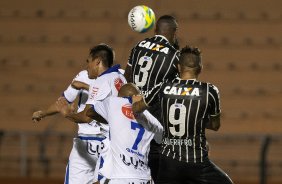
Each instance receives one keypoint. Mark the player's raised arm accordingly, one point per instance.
(70, 94)
(39, 115)
(80, 85)
(214, 104)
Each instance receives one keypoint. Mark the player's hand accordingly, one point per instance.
(37, 116)
(64, 107)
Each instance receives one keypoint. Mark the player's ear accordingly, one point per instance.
(98, 61)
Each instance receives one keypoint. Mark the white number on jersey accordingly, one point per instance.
(144, 70)
(177, 122)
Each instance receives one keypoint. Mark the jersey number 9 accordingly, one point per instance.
(179, 109)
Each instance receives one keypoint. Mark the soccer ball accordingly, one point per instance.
(141, 18)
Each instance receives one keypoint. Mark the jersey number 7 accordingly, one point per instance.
(140, 134)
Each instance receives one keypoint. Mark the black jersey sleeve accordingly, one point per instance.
(214, 100)
(152, 96)
(130, 59)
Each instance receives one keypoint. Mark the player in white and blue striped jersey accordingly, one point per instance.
(130, 136)
(106, 80)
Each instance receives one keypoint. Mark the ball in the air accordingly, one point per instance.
(141, 18)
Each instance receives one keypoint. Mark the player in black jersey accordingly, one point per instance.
(151, 61)
(188, 107)
(156, 58)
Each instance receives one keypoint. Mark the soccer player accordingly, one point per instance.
(87, 146)
(188, 107)
(151, 61)
(154, 59)
(130, 135)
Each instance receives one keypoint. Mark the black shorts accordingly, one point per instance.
(176, 172)
(153, 159)
(155, 148)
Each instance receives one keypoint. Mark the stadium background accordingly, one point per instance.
(44, 44)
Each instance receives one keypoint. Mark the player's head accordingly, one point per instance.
(190, 60)
(128, 89)
(101, 55)
(167, 26)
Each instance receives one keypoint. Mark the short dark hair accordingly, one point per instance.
(166, 19)
(191, 57)
(104, 52)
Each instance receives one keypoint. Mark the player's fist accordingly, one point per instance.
(37, 116)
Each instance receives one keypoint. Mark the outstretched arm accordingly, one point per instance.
(39, 115)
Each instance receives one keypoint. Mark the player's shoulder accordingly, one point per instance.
(110, 80)
(116, 101)
(112, 76)
(212, 87)
(158, 44)
(82, 76)
(173, 81)
(149, 41)
(110, 72)
(82, 73)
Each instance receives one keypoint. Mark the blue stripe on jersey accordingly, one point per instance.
(63, 95)
(67, 175)
(129, 98)
(92, 106)
(91, 138)
(111, 69)
(100, 177)
(101, 162)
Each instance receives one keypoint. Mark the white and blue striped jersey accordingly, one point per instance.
(71, 94)
(105, 85)
(130, 137)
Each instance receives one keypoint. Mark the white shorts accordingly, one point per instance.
(83, 159)
(101, 171)
(126, 181)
